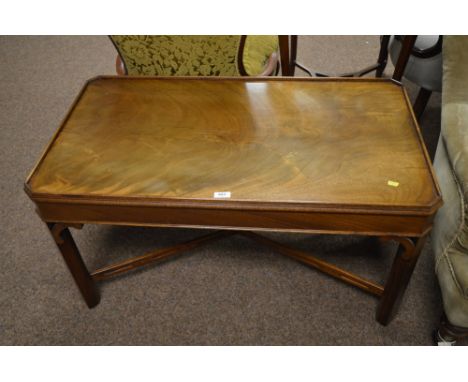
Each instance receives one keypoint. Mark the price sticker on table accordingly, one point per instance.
(222, 195)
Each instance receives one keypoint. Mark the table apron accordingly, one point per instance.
(287, 221)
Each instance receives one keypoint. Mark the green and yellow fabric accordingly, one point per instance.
(194, 55)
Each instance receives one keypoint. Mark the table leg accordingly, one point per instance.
(400, 274)
(75, 264)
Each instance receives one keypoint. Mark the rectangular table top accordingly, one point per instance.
(325, 143)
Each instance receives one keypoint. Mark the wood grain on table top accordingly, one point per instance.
(315, 141)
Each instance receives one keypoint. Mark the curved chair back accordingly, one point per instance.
(424, 66)
(196, 55)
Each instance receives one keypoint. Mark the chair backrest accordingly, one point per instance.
(405, 52)
(195, 55)
(424, 66)
(288, 51)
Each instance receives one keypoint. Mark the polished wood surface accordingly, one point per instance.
(318, 142)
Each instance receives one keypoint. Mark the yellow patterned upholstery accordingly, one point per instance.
(193, 55)
(257, 50)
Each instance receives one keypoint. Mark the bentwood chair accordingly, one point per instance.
(424, 67)
(196, 55)
(288, 49)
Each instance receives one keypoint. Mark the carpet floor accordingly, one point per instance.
(232, 292)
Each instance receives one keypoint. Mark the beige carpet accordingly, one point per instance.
(231, 292)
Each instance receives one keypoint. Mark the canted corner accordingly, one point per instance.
(27, 188)
(94, 79)
(396, 83)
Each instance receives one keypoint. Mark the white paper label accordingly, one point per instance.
(222, 195)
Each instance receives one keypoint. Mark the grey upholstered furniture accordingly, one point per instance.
(450, 233)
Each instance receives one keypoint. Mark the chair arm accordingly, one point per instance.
(270, 66)
(119, 66)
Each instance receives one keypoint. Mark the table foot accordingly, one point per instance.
(75, 263)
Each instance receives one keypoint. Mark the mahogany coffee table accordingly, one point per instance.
(332, 156)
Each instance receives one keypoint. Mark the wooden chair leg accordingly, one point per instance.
(383, 56)
(294, 39)
(288, 54)
(285, 56)
(403, 57)
(421, 102)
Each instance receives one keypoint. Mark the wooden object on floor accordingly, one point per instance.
(341, 156)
